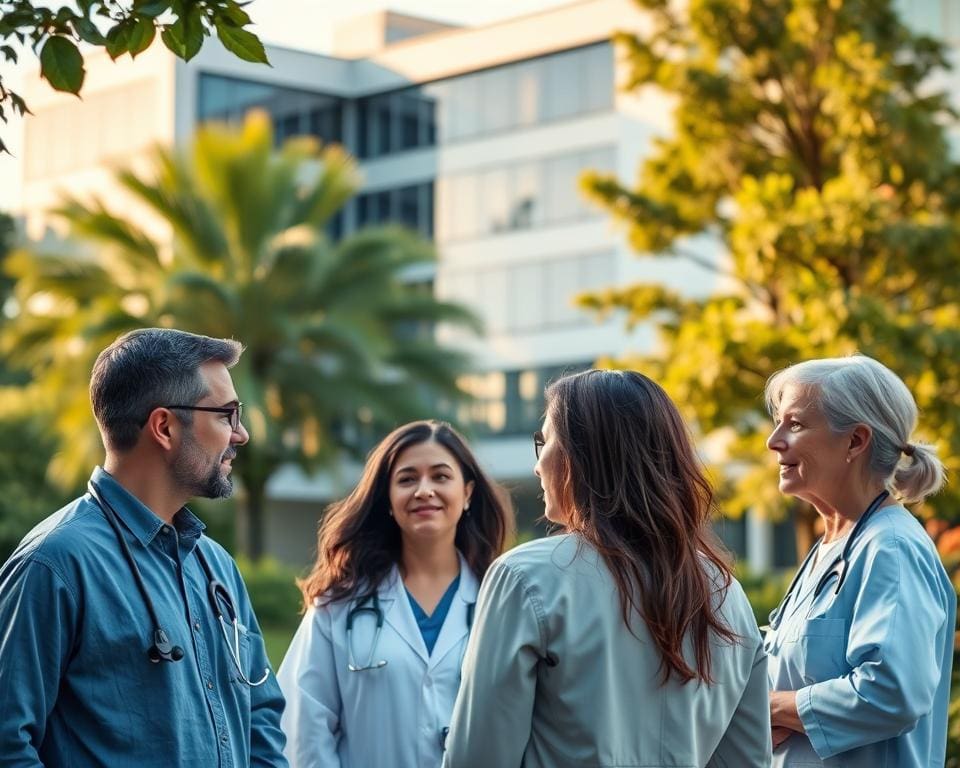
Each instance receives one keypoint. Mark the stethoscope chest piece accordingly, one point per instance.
(163, 649)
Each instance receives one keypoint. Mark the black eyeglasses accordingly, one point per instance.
(234, 410)
(538, 443)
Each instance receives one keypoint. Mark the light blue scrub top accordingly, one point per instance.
(430, 625)
(871, 665)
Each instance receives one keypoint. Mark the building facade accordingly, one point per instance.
(475, 137)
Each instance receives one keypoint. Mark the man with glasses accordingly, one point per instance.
(126, 636)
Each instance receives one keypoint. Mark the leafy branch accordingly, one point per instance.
(118, 26)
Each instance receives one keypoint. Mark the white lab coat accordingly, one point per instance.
(553, 678)
(390, 717)
(871, 664)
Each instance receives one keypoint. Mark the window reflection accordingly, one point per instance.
(524, 93)
(521, 196)
(294, 112)
(411, 206)
(531, 296)
(515, 405)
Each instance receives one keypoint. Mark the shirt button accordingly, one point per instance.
(165, 530)
(210, 684)
(223, 738)
(196, 625)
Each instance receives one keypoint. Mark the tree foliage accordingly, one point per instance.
(118, 26)
(334, 332)
(809, 143)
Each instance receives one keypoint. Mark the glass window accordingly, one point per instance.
(426, 209)
(526, 204)
(528, 76)
(598, 76)
(406, 113)
(495, 201)
(383, 125)
(292, 110)
(562, 194)
(563, 92)
(466, 120)
(498, 96)
(444, 209)
(523, 93)
(436, 99)
(526, 296)
(492, 286)
(563, 280)
(464, 201)
(408, 206)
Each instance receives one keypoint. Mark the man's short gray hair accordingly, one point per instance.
(859, 390)
(149, 368)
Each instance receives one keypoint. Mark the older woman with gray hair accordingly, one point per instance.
(861, 646)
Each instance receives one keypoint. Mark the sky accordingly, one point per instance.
(305, 24)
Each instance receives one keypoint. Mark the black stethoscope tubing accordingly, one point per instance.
(218, 596)
(371, 604)
(837, 568)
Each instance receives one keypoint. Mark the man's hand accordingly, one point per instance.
(780, 735)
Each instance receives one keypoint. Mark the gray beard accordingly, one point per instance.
(189, 473)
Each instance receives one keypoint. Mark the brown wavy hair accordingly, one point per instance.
(359, 542)
(631, 486)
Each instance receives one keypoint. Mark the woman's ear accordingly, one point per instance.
(860, 438)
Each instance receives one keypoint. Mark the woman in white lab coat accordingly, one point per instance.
(624, 641)
(861, 647)
(372, 673)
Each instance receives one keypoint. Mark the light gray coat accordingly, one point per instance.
(552, 677)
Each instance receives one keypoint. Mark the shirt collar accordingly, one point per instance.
(136, 516)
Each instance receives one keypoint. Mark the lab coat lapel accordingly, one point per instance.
(454, 627)
(399, 615)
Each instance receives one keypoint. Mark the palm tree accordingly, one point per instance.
(334, 334)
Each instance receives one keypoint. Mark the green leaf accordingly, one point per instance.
(150, 8)
(9, 53)
(241, 43)
(88, 32)
(235, 15)
(185, 36)
(172, 37)
(62, 65)
(141, 36)
(118, 39)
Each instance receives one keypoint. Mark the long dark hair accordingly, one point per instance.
(631, 486)
(359, 542)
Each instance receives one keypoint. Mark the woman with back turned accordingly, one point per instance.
(625, 641)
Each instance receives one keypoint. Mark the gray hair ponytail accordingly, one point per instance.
(859, 390)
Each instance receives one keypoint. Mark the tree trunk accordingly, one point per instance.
(805, 521)
(250, 532)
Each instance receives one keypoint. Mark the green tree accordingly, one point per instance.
(810, 145)
(335, 334)
(26, 496)
(119, 27)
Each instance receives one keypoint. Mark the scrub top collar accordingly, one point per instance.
(399, 615)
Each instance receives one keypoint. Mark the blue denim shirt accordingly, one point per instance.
(76, 686)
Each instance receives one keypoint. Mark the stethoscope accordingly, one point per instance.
(837, 568)
(371, 604)
(222, 604)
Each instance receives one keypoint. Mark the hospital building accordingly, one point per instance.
(475, 137)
